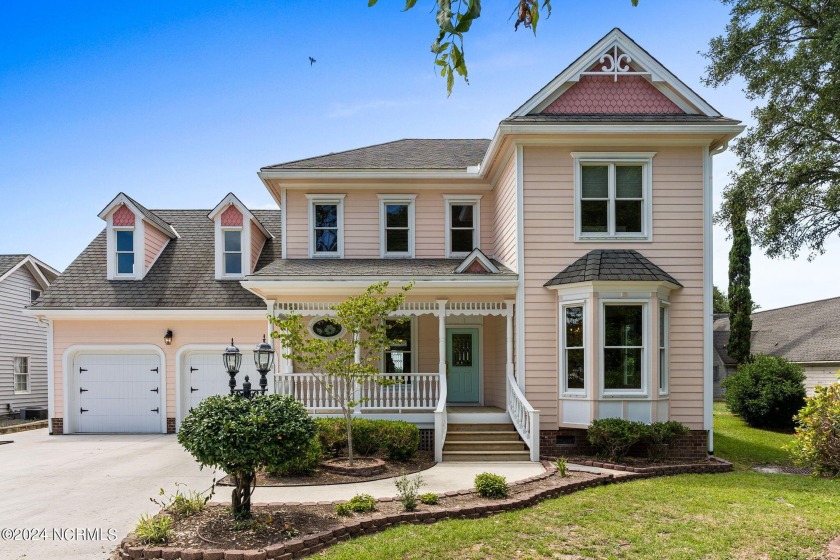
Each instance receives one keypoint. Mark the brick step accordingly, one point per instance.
(482, 436)
(483, 446)
(488, 456)
(495, 427)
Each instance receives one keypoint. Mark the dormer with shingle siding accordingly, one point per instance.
(135, 238)
(239, 239)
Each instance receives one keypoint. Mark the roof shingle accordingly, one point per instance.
(406, 268)
(611, 264)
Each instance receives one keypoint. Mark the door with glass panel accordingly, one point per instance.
(462, 351)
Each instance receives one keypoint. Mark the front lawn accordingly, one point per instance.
(746, 446)
(736, 515)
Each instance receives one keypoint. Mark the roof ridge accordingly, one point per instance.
(794, 305)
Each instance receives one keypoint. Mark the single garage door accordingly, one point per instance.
(118, 393)
(204, 375)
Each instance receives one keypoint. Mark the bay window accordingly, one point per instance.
(664, 328)
(623, 348)
(574, 350)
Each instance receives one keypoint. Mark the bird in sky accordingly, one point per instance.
(312, 61)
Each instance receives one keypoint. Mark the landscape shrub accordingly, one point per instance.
(766, 392)
(332, 435)
(304, 464)
(183, 504)
(562, 466)
(407, 489)
(817, 440)
(397, 439)
(402, 440)
(368, 436)
(613, 437)
(429, 498)
(154, 529)
(663, 434)
(360, 503)
(490, 485)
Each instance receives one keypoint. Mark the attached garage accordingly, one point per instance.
(117, 392)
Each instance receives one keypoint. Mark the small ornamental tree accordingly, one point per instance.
(342, 365)
(240, 435)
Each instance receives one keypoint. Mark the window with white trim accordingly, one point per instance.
(232, 251)
(21, 369)
(664, 327)
(326, 224)
(124, 248)
(623, 348)
(462, 225)
(574, 350)
(34, 295)
(397, 223)
(399, 354)
(613, 197)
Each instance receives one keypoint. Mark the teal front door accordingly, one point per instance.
(462, 366)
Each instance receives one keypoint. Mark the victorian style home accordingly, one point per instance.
(561, 269)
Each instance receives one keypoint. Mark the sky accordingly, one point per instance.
(179, 103)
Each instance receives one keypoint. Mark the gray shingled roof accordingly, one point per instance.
(8, 262)
(808, 332)
(611, 264)
(183, 276)
(151, 216)
(409, 153)
(606, 118)
(404, 268)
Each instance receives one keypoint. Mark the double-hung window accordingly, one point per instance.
(574, 350)
(397, 223)
(462, 225)
(326, 222)
(664, 326)
(21, 369)
(124, 244)
(623, 348)
(613, 197)
(232, 249)
(398, 355)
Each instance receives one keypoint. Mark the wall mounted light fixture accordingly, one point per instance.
(167, 338)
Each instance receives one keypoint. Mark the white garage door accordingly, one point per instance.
(118, 393)
(205, 375)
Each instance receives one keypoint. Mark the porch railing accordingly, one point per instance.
(411, 391)
(524, 417)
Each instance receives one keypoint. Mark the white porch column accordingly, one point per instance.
(441, 313)
(278, 358)
(509, 303)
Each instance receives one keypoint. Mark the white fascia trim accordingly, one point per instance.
(727, 130)
(231, 199)
(338, 199)
(302, 286)
(32, 266)
(408, 200)
(708, 315)
(466, 199)
(71, 352)
(467, 173)
(143, 314)
(477, 254)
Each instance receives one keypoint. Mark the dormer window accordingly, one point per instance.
(125, 251)
(232, 251)
(326, 225)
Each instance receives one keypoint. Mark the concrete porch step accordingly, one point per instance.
(488, 456)
(483, 445)
(471, 427)
(512, 435)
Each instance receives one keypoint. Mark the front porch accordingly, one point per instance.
(454, 366)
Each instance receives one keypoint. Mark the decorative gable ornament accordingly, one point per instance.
(615, 63)
(477, 263)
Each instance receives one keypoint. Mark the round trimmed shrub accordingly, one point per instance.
(402, 440)
(332, 435)
(367, 436)
(612, 438)
(491, 485)
(304, 464)
(817, 440)
(767, 392)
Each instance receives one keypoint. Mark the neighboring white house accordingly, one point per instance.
(807, 334)
(23, 339)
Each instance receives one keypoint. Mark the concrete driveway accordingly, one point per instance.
(85, 482)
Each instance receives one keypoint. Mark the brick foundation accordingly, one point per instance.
(57, 425)
(572, 442)
(170, 425)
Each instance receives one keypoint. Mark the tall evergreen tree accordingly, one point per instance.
(740, 298)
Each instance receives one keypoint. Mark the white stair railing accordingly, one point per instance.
(525, 419)
(440, 419)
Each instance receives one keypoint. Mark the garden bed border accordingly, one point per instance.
(355, 527)
(34, 425)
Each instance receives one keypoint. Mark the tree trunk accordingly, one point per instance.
(240, 499)
(348, 421)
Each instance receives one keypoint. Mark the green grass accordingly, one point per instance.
(746, 446)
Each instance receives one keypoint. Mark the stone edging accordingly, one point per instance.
(23, 427)
(377, 467)
(715, 465)
(312, 544)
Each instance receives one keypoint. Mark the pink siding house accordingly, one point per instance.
(562, 274)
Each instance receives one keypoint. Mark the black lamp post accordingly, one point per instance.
(263, 359)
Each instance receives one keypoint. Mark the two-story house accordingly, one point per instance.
(561, 269)
(23, 339)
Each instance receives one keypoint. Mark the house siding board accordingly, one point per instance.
(21, 335)
(504, 219)
(550, 247)
(257, 242)
(361, 223)
(153, 244)
(67, 333)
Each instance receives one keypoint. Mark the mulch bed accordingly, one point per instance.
(420, 462)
